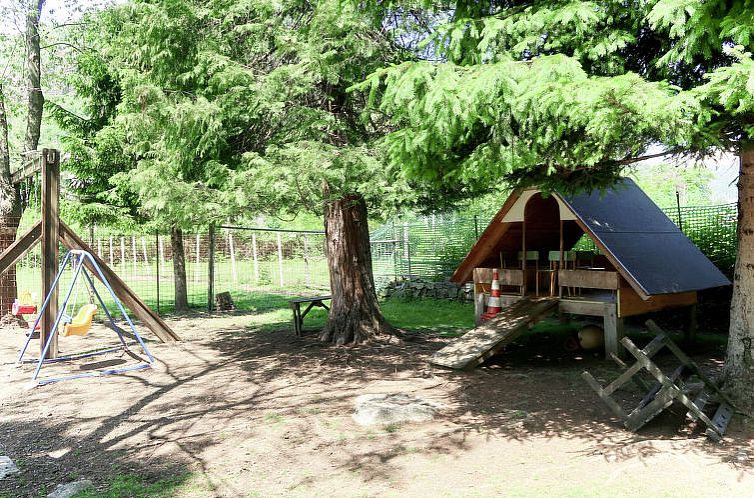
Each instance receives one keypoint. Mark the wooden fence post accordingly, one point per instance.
(211, 270)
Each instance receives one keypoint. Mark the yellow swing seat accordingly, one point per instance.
(82, 322)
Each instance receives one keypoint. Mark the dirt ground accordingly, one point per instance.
(246, 413)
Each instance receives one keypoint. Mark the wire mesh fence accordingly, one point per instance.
(264, 268)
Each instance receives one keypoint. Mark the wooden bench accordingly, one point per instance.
(298, 316)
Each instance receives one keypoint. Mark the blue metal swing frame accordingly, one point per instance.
(80, 258)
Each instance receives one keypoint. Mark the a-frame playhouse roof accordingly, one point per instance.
(643, 244)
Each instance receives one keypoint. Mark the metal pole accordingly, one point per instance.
(254, 254)
(678, 206)
(280, 259)
(211, 270)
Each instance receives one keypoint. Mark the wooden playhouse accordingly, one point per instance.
(640, 261)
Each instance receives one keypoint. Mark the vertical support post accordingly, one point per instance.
(407, 248)
(306, 262)
(232, 249)
(613, 326)
(524, 276)
(161, 249)
(690, 332)
(280, 259)
(157, 264)
(135, 255)
(254, 255)
(561, 265)
(99, 247)
(144, 250)
(111, 253)
(123, 254)
(478, 306)
(50, 237)
(211, 270)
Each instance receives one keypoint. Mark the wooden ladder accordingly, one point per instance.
(666, 389)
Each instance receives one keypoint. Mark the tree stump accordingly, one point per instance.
(223, 302)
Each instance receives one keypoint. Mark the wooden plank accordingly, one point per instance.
(641, 415)
(720, 422)
(580, 307)
(506, 276)
(477, 345)
(50, 236)
(630, 303)
(604, 395)
(150, 319)
(589, 279)
(20, 247)
(27, 170)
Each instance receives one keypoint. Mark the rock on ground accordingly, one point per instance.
(7, 467)
(70, 489)
(385, 409)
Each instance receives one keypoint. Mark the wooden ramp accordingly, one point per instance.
(474, 347)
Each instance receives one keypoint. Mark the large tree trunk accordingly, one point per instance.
(355, 314)
(10, 211)
(179, 270)
(33, 71)
(739, 362)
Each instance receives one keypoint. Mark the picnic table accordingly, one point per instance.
(298, 316)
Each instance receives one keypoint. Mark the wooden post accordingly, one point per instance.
(523, 257)
(99, 247)
(254, 254)
(478, 306)
(111, 252)
(123, 254)
(613, 327)
(134, 254)
(280, 259)
(50, 236)
(690, 332)
(211, 270)
(232, 249)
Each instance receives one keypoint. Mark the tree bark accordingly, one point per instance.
(33, 71)
(10, 211)
(179, 270)
(355, 315)
(739, 363)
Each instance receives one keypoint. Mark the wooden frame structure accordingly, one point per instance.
(666, 389)
(50, 231)
(645, 262)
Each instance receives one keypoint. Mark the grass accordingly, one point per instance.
(134, 486)
(447, 318)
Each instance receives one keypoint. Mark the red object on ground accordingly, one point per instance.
(494, 305)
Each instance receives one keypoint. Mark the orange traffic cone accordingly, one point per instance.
(494, 305)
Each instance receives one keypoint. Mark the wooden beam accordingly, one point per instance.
(50, 237)
(143, 312)
(589, 279)
(27, 170)
(20, 247)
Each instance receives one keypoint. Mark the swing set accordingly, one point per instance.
(52, 321)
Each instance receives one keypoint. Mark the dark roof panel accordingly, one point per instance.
(648, 245)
